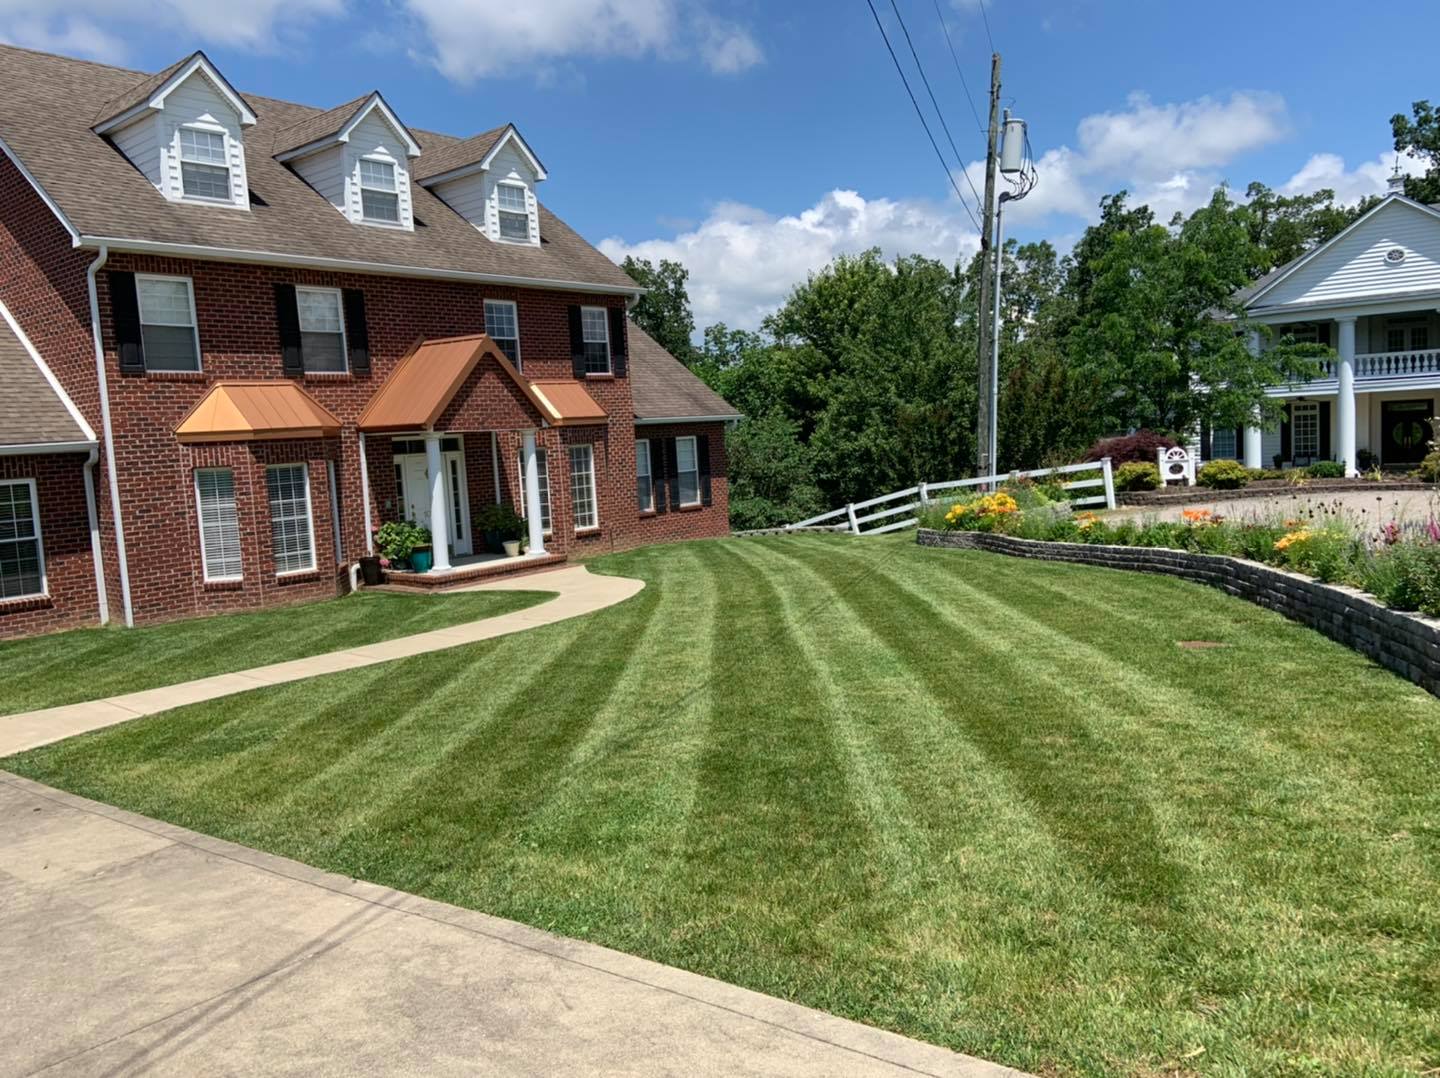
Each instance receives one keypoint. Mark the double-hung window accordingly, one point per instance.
(22, 555)
(204, 164)
(502, 323)
(1407, 334)
(322, 329)
(543, 470)
(595, 332)
(1222, 444)
(644, 477)
(219, 523)
(687, 470)
(1305, 430)
(167, 323)
(514, 210)
(582, 487)
(291, 537)
(379, 196)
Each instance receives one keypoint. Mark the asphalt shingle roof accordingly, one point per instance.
(665, 388)
(48, 105)
(31, 412)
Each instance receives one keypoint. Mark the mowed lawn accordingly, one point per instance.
(985, 802)
(86, 664)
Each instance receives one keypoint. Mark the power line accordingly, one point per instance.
(923, 123)
(979, 124)
(959, 160)
(985, 15)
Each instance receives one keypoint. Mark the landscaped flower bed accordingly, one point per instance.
(1354, 580)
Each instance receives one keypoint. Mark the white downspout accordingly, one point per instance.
(101, 597)
(108, 433)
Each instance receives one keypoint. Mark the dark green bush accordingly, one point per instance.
(1223, 475)
(1137, 475)
(1326, 469)
(1429, 470)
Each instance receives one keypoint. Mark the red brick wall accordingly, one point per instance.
(65, 537)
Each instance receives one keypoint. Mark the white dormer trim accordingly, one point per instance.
(375, 101)
(49, 375)
(483, 165)
(156, 101)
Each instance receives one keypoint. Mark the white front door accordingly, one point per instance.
(412, 478)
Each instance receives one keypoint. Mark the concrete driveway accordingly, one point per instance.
(1416, 505)
(130, 946)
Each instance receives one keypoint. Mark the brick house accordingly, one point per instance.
(243, 333)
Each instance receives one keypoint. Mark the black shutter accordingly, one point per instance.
(619, 350)
(1240, 445)
(1285, 443)
(672, 471)
(702, 457)
(658, 473)
(1324, 430)
(1205, 441)
(287, 317)
(125, 316)
(357, 334)
(577, 345)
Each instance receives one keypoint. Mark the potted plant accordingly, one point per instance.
(405, 545)
(422, 554)
(491, 523)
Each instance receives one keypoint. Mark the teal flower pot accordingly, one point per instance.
(422, 560)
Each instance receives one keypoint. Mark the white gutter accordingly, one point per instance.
(657, 420)
(276, 258)
(36, 449)
(103, 384)
(102, 600)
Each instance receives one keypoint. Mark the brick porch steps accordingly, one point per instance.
(462, 575)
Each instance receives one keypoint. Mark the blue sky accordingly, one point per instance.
(756, 140)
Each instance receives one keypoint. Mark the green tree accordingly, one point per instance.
(771, 474)
(1284, 227)
(1419, 134)
(664, 310)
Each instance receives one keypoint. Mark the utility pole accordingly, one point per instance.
(985, 464)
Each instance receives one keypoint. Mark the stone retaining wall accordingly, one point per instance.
(1408, 644)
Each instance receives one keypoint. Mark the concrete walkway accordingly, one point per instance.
(579, 592)
(133, 946)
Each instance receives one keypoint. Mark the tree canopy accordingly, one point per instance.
(664, 310)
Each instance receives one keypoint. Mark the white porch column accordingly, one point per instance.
(532, 496)
(439, 504)
(1253, 450)
(1345, 371)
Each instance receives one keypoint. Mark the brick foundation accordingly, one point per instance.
(1408, 644)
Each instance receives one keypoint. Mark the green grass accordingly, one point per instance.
(985, 802)
(86, 664)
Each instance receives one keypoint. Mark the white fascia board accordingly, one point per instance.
(511, 132)
(1397, 303)
(278, 258)
(40, 449)
(47, 372)
(156, 102)
(1309, 256)
(412, 148)
(50, 203)
(654, 421)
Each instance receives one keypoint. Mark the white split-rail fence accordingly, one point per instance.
(854, 519)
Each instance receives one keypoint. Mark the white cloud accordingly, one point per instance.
(94, 27)
(1367, 178)
(1149, 141)
(466, 36)
(743, 262)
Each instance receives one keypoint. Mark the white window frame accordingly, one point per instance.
(648, 473)
(679, 471)
(229, 197)
(209, 577)
(589, 449)
(515, 317)
(39, 540)
(393, 189)
(586, 339)
(544, 470)
(344, 339)
(309, 515)
(501, 211)
(194, 320)
(1312, 409)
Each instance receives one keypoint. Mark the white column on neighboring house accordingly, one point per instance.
(439, 504)
(532, 496)
(1345, 371)
(1252, 450)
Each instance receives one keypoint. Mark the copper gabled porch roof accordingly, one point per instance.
(251, 411)
(420, 389)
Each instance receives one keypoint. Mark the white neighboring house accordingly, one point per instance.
(1372, 293)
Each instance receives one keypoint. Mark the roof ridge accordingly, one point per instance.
(75, 59)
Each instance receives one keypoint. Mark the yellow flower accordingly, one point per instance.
(1195, 516)
(1086, 521)
(1286, 541)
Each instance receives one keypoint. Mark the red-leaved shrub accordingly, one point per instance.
(1142, 445)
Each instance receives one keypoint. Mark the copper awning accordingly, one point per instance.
(566, 403)
(250, 411)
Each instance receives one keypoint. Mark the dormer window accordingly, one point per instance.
(379, 196)
(204, 168)
(514, 212)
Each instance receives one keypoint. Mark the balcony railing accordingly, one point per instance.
(1389, 364)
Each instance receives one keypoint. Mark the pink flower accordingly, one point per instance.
(384, 563)
(1434, 530)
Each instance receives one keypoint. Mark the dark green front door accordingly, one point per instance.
(1404, 431)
